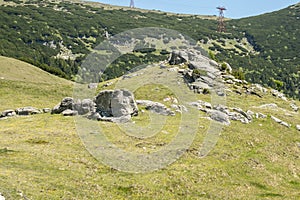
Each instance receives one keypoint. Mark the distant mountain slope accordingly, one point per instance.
(57, 35)
(15, 70)
(22, 84)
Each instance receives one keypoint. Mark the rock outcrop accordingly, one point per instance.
(27, 111)
(156, 107)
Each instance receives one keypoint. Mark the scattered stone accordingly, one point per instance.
(46, 110)
(123, 119)
(107, 84)
(8, 113)
(278, 94)
(269, 106)
(27, 111)
(92, 85)
(294, 107)
(276, 119)
(298, 127)
(94, 116)
(179, 108)
(285, 124)
(219, 117)
(239, 110)
(279, 121)
(156, 107)
(69, 112)
(260, 115)
(2, 197)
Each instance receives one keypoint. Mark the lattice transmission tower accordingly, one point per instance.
(131, 4)
(221, 22)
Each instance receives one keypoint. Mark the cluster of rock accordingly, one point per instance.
(224, 114)
(202, 73)
(69, 107)
(156, 107)
(23, 111)
(108, 105)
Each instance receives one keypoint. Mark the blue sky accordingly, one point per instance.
(235, 8)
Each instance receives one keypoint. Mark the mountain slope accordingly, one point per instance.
(57, 35)
(47, 159)
(22, 84)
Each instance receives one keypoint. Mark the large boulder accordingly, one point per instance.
(65, 104)
(116, 103)
(123, 103)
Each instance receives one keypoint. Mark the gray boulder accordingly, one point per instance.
(156, 107)
(123, 104)
(66, 103)
(27, 111)
(116, 103)
(8, 113)
(219, 117)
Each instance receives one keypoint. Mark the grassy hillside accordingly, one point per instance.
(23, 85)
(42, 156)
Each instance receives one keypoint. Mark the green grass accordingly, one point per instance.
(23, 85)
(42, 156)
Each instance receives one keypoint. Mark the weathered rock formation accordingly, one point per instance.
(156, 107)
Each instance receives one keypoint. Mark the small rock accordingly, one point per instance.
(69, 112)
(2, 197)
(27, 111)
(260, 115)
(285, 124)
(94, 116)
(294, 107)
(276, 119)
(8, 113)
(46, 110)
(298, 127)
(92, 85)
(239, 110)
(269, 106)
(156, 107)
